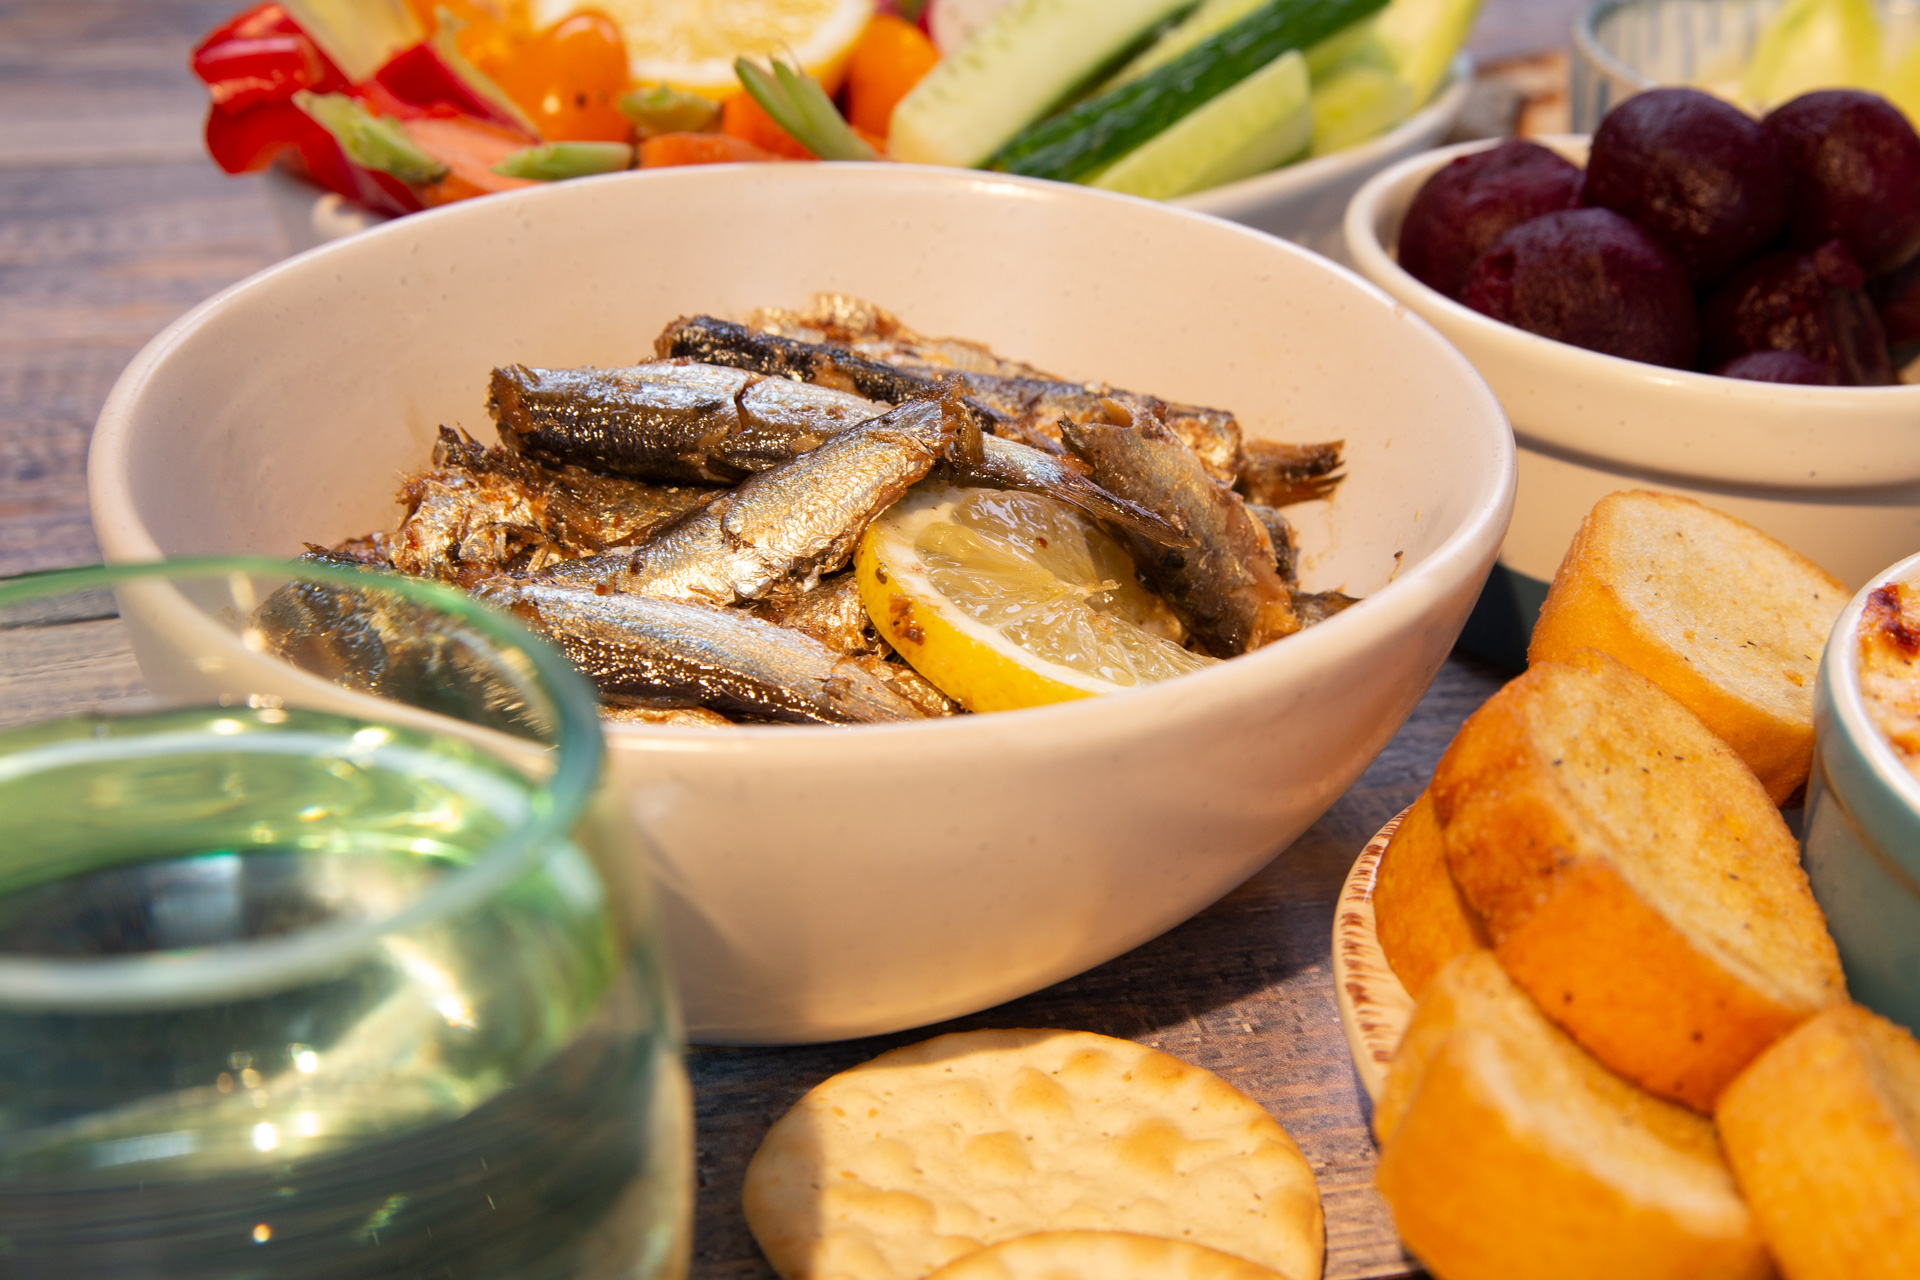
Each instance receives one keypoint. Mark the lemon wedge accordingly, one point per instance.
(1009, 600)
(691, 44)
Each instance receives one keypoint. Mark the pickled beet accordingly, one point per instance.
(1463, 208)
(1898, 298)
(1811, 303)
(1698, 173)
(1592, 278)
(1778, 366)
(1853, 165)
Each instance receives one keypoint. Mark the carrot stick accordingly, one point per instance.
(698, 148)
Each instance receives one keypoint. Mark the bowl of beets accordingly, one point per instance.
(1627, 295)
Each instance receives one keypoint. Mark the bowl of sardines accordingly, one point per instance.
(980, 575)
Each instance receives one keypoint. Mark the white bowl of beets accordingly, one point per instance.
(1694, 301)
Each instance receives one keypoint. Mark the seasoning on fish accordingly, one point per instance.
(1225, 587)
(727, 660)
(676, 420)
(793, 524)
(1277, 475)
(476, 512)
(878, 334)
(831, 613)
(382, 643)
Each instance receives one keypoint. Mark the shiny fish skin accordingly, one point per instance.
(477, 512)
(792, 524)
(1225, 587)
(1005, 463)
(667, 652)
(381, 643)
(669, 420)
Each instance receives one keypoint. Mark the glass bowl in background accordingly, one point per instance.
(1623, 46)
(320, 954)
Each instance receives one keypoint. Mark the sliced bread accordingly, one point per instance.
(1508, 1153)
(1633, 876)
(1721, 616)
(1419, 915)
(1823, 1133)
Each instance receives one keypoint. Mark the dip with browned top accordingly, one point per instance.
(1890, 666)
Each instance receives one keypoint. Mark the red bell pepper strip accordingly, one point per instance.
(416, 79)
(261, 56)
(251, 140)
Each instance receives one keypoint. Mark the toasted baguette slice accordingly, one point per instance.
(1508, 1153)
(1418, 914)
(1633, 876)
(1100, 1255)
(1719, 615)
(1823, 1133)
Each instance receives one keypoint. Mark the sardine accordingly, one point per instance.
(1278, 475)
(667, 420)
(1024, 407)
(477, 512)
(1004, 463)
(1225, 587)
(380, 642)
(672, 653)
(793, 524)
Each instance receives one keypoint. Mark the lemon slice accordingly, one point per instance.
(1009, 600)
(691, 44)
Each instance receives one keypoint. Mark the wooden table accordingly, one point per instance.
(112, 223)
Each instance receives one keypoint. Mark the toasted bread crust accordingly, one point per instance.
(1421, 919)
(1633, 876)
(1728, 621)
(1509, 1153)
(1823, 1134)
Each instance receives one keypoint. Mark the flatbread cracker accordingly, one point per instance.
(1100, 1255)
(903, 1164)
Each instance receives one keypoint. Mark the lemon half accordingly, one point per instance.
(691, 44)
(1008, 600)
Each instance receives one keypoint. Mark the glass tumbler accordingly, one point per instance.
(322, 951)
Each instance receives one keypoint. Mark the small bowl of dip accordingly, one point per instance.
(1863, 802)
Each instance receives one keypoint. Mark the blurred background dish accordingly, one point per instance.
(280, 955)
(825, 883)
(1863, 804)
(1757, 53)
(1832, 471)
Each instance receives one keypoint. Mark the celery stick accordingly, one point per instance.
(1259, 123)
(1355, 103)
(1028, 57)
(1422, 37)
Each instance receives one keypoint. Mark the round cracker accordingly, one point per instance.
(903, 1164)
(1100, 1255)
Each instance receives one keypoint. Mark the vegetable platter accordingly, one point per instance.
(398, 105)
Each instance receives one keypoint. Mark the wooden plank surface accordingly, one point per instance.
(112, 224)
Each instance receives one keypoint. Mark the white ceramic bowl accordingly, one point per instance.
(1834, 472)
(823, 883)
(1302, 202)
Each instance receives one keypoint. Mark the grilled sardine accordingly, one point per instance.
(669, 653)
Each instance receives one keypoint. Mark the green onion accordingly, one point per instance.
(368, 140)
(799, 105)
(661, 108)
(558, 161)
